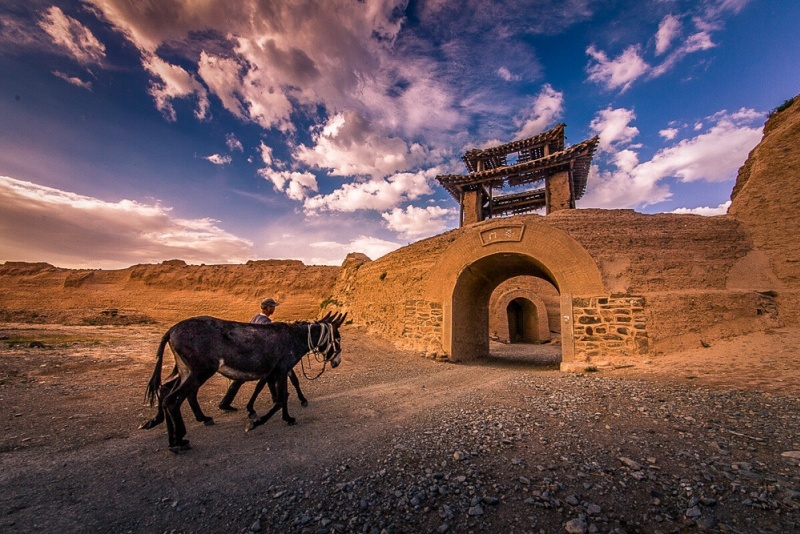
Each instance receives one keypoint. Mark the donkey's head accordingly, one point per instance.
(332, 351)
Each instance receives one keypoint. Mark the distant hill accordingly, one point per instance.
(166, 292)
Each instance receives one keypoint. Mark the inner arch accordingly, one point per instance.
(470, 301)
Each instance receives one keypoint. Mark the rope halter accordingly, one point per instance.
(326, 344)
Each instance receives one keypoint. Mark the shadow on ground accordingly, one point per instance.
(525, 355)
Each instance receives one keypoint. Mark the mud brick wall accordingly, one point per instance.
(609, 325)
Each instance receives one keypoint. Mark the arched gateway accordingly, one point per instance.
(492, 252)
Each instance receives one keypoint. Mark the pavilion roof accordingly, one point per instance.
(577, 157)
(528, 149)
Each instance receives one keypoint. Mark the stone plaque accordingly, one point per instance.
(509, 232)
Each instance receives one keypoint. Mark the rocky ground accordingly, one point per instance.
(392, 442)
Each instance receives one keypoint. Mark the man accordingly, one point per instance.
(268, 306)
(267, 309)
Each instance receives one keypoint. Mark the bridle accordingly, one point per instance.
(326, 344)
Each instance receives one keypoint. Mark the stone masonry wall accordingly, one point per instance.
(609, 325)
(423, 326)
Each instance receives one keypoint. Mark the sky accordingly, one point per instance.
(225, 131)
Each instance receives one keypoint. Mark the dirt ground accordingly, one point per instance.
(388, 427)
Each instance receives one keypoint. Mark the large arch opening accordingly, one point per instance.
(471, 305)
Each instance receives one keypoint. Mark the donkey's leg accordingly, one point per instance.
(233, 389)
(251, 412)
(163, 391)
(172, 405)
(280, 402)
(198, 412)
(296, 384)
(283, 394)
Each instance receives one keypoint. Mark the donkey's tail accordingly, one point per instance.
(155, 381)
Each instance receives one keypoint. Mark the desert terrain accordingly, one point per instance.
(393, 442)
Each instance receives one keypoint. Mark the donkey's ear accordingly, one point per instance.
(326, 319)
(340, 320)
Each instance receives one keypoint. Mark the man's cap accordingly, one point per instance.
(268, 303)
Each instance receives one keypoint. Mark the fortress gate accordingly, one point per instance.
(479, 261)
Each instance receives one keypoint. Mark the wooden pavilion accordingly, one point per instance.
(485, 192)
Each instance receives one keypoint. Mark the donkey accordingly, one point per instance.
(203, 346)
(173, 379)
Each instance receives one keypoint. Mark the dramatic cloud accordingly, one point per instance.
(712, 156)
(72, 36)
(378, 195)
(414, 223)
(173, 81)
(547, 108)
(348, 146)
(75, 231)
(617, 73)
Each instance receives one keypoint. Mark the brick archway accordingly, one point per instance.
(488, 254)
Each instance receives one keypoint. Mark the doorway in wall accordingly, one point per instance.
(524, 323)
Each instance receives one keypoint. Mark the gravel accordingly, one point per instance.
(571, 453)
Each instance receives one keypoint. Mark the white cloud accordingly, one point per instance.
(173, 81)
(348, 145)
(74, 80)
(619, 73)
(296, 185)
(72, 36)
(76, 231)
(266, 153)
(706, 211)
(714, 155)
(414, 222)
(668, 133)
(373, 247)
(506, 74)
(233, 143)
(378, 195)
(613, 127)
(668, 30)
(223, 78)
(548, 107)
(694, 43)
(217, 159)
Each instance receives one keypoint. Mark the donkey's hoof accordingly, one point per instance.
(253, 416)
(227, 408)
(250, 426)
(147, 425)
(304, 403)
(177, 449)
(209, 421)
(291, 421)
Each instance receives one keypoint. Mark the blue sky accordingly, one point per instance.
(219, 132)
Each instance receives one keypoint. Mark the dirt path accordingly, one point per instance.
(390, 441)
